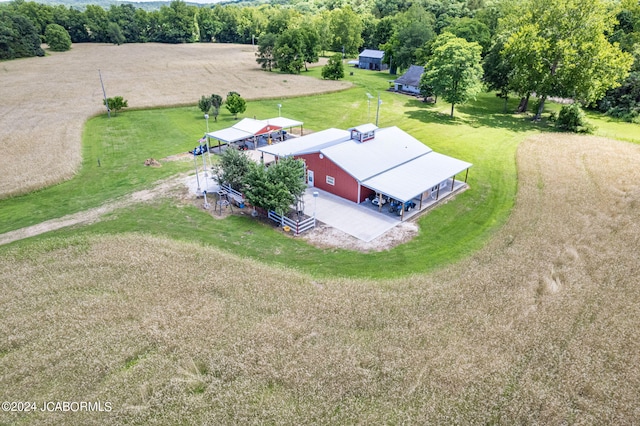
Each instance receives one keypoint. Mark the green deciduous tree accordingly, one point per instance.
(76, 25)
(572, 119)
(471, 29)
(265, 55)
(129, 26)
(97, 23)
(57, 38)
(204, 104)
(115, 104)
(115, 34)
(310, 43)
(413, 29)
(497, 71)
(39, 14)
(454, 71)
(235, 104)
(289, 51)
(177, 23)
(232, 169)
(208, 24)
(334, 69)
(216, 103)
(322, 24)
(346, 27)
(559, 48)
(276, 187)
(210, 103)
(18, 37)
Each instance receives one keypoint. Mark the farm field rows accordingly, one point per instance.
(534, 322)
(46, 101)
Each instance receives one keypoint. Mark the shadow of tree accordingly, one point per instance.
(483, 112)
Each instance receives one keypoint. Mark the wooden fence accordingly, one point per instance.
(298, 226)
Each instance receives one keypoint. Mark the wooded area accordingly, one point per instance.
(589, 51)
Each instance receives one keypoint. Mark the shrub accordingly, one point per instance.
(57, 38)
(334, 70)
(573, 119)
(115, 104)
(236, 104)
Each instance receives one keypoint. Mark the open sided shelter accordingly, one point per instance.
(365, 160)
(250, 130)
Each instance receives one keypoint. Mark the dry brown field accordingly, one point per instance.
(45, 101)
(538, 327)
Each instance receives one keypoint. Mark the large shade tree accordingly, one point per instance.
(454, 71)
(559, 48)
(265, 55)
(346, 28)
(288, 51)
(57, 38)
(413, 29)
(18, 37)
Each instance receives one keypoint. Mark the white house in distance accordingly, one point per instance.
(410, 80)
(366, 160)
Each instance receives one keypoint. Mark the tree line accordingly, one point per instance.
(587, 50)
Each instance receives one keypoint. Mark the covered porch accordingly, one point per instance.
(425, 181)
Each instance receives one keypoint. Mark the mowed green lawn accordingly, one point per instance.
(115, 149)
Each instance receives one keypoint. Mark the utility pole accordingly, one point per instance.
(104, 93)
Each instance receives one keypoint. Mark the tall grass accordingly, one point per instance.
(539, 326)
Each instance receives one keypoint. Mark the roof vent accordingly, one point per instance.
(364, 132)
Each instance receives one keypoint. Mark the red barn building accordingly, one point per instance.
(366, 160)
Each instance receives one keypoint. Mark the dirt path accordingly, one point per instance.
(323, 236)
(93, 215)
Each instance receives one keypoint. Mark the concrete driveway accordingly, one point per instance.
(359, 221)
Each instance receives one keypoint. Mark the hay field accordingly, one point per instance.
(45, 101)
(539, 327)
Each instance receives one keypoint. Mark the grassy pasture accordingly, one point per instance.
(450, 232)
(536, 326)
(539, 326)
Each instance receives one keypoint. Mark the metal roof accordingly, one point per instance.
(283, 122)
(230, 135)
(255, 127)
(390, 148)
(393, 163)
(412, 76)
(249, 127)
(411, 179)
(364, 128)
(370, 53)
(310, 143)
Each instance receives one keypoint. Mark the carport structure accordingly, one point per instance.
(252, 131)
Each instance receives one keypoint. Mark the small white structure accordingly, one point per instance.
(410, 80)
